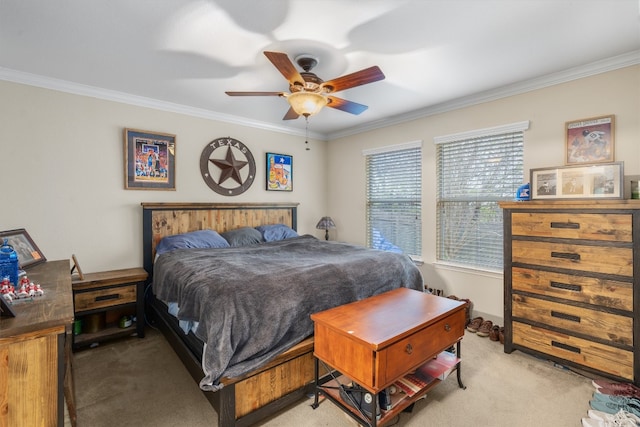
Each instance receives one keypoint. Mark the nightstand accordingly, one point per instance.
(106, 303)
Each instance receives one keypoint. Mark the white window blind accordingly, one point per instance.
(474, 173)
(394, 198)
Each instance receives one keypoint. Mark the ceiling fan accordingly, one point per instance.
(309, 93)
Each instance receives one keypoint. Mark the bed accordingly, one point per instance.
(250, 376)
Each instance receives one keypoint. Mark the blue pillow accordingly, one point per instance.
(191, 240)
(242, 236)
(274, 232)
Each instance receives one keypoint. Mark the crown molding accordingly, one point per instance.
(610, 64)
(621, 61)
(141, 101)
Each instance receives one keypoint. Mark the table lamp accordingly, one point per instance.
(325, 224)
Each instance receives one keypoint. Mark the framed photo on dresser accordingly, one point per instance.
(28, 253)
(596, 181)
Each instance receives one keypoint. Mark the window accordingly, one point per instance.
(475, 171)
(394, 198)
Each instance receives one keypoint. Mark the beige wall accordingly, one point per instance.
(62, 168)
(616, 92)
(63, 173)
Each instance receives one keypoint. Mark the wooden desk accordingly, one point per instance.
(32, 351)
(376, 341)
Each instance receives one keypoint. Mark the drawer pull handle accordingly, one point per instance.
(107, 297)
(571, 225)
(565, 347)
(447, 327)
(566, 255)
(565, 316)
(567, 286)
(409, 349)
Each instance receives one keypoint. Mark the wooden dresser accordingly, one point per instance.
(378, 340)
(32, 351)
(571, 275)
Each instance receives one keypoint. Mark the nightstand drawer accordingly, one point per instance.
(102, 298)
(591, 226)
(419, 347)
(598, 324)
(590, 290)
(596, 259)
(602, 357)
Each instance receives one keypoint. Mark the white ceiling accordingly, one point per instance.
(182, 55)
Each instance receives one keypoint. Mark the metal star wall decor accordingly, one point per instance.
(216, 171)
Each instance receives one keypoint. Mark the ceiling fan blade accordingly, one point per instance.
(359, 78)
(344, 105)
(254, 93)
(291, 115)
(282, 62)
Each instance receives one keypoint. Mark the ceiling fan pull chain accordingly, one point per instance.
(306, 132)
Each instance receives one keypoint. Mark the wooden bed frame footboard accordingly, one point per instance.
(245, 400)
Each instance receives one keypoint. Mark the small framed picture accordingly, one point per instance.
(28, 253)
(279, 172)
(149, 160)
(598, 181)
(590, 141)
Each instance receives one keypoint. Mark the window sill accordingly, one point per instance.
(416, 260)
(497, 274)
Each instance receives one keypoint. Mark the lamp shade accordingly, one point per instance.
(307, 103)
(325, 223)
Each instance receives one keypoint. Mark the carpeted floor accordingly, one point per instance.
(141, 382)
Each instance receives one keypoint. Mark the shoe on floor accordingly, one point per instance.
(618, 400)
(611, 385)
(475, 324)
(494, 334)
(485, 328)
(590, 422)
(612, 408)
(501, 334)
(619, 392)
(603, 416)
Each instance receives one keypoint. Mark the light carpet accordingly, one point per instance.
(141, 382)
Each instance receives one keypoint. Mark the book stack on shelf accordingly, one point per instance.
(437, 369)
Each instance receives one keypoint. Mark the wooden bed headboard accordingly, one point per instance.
(166, 219)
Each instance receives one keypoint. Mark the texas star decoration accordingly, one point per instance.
(230, 166)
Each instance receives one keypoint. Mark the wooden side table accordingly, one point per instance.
(380, 340)
(101, 300)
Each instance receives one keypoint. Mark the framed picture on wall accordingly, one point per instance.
(598, 181)
(149, 160)
(590, 140)
(279, 172)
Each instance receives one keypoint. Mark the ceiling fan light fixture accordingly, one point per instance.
(307, 103)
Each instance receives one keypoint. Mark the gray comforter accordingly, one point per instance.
(254, 302)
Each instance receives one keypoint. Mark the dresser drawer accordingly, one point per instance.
(590, 290)
(596, 259)
(597, 356)
(591, 226)
(419, 347)
(102, 298)
(598, 324)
